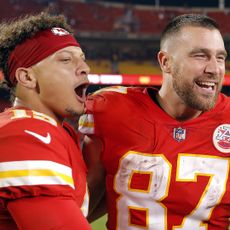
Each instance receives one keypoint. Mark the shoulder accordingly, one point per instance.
(112, 107)
(223, 104)
(117, 91)
(25, 132)
(22, 115)
(34, 157)
(111, 97)
(25, 125)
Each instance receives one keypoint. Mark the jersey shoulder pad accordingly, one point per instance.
(116, 89)
(12, 115)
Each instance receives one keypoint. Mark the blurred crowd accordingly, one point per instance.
(117, 37)
(107, 29)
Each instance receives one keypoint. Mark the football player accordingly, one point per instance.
(42, 172)
(164, 155)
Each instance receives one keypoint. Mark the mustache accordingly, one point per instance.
(208, 77)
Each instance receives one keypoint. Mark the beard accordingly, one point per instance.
(187, 93)
(72, 113)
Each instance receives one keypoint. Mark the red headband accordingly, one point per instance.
(40, 46)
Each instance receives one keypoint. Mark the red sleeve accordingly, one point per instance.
(47, 213)
(34, 161)
(102, 107)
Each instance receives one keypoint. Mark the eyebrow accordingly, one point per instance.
(82, 54)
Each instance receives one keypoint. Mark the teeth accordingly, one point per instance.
(207, 84)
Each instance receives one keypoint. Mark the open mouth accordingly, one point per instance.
(80, 91)
(206, 85)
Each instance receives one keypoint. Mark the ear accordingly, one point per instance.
(164, 61)
(25, 78)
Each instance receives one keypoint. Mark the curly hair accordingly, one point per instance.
(16, 31)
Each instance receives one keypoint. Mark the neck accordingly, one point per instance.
(176, 108)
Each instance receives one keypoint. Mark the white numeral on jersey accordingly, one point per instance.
(138, 200)
(143, 181)
(217, 169)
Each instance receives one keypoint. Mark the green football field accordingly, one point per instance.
(100, 223)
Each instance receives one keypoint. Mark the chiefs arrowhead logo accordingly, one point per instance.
(221, 138)
(59, 31)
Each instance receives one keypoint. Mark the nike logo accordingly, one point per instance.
(45, 139)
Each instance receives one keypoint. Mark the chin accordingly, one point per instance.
(81, 109)
(72, 112)
(205, 105)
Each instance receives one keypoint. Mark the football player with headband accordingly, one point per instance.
(165, 154)
(42, 172)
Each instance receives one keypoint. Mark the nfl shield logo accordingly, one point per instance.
(179, 134)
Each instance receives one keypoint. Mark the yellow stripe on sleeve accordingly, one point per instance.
(34, 172)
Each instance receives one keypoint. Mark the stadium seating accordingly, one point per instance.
(101, 17)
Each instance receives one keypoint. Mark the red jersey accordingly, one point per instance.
(161, 173)
(38, 157)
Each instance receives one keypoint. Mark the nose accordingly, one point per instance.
(83, 69)
(213, 66)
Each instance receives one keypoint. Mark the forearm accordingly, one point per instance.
(47, 213)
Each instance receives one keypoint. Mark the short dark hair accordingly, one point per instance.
(16, 31)
(175, 25)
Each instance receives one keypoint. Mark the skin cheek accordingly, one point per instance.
(52, 78)
(58, 79)
(189, 70)
(55, 93)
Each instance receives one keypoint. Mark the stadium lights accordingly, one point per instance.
(133, 79)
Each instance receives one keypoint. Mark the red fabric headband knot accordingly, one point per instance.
(40, 46)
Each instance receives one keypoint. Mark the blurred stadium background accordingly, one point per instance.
(121, 38)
